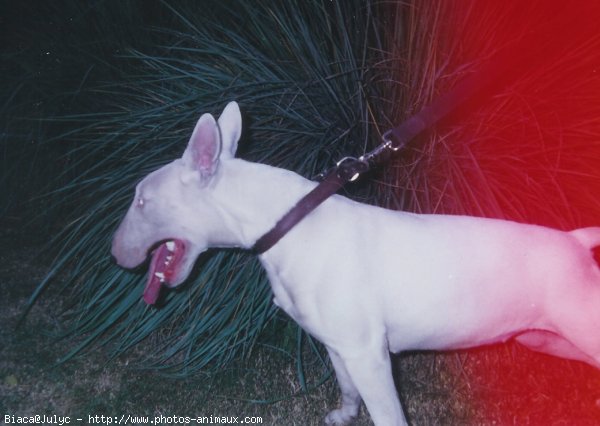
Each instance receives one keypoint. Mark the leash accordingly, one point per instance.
(349, 169)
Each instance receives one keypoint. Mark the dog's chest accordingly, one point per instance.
(282, 298)
(293, 297)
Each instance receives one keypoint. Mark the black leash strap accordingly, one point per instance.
(349, 168)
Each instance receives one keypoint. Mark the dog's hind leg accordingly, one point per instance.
(578, 331)
(571, 303)
(350, 395)
(553, 344)
(572, 313)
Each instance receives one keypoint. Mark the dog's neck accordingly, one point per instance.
(254, 197)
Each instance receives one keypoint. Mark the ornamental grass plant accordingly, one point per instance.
(306, 101)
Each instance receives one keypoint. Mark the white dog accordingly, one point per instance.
(364, 280)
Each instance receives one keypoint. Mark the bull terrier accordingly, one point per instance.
(364, 280)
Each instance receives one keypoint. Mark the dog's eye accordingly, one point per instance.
(140, 202)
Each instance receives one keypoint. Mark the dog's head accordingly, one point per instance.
(173, 217)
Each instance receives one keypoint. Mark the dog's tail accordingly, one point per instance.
(588, 237)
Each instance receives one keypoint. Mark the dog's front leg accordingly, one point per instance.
(369, 371)
(350, 395)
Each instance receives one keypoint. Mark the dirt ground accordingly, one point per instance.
(500, 385)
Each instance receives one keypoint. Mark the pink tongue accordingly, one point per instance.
(152, 290)
(163, 264)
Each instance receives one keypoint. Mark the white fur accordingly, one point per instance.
(366, 281)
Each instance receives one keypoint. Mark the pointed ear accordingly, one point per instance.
(230, 123)
(204, 147)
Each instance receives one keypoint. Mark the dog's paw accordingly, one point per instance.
(340, 416)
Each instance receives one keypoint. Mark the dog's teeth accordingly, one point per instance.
(159, 275)
(170, 245)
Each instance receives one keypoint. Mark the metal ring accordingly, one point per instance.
(346, 159)
(389, 143)
(356, 166)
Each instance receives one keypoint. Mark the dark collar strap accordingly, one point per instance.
(329, 186)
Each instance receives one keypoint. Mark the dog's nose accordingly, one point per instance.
(127, 259)
(125, 249)
(114, 259)
(121, 254)
(118, 253)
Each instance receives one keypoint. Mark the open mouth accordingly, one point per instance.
(164, 268)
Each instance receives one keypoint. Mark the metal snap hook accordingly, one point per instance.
(389, 141)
